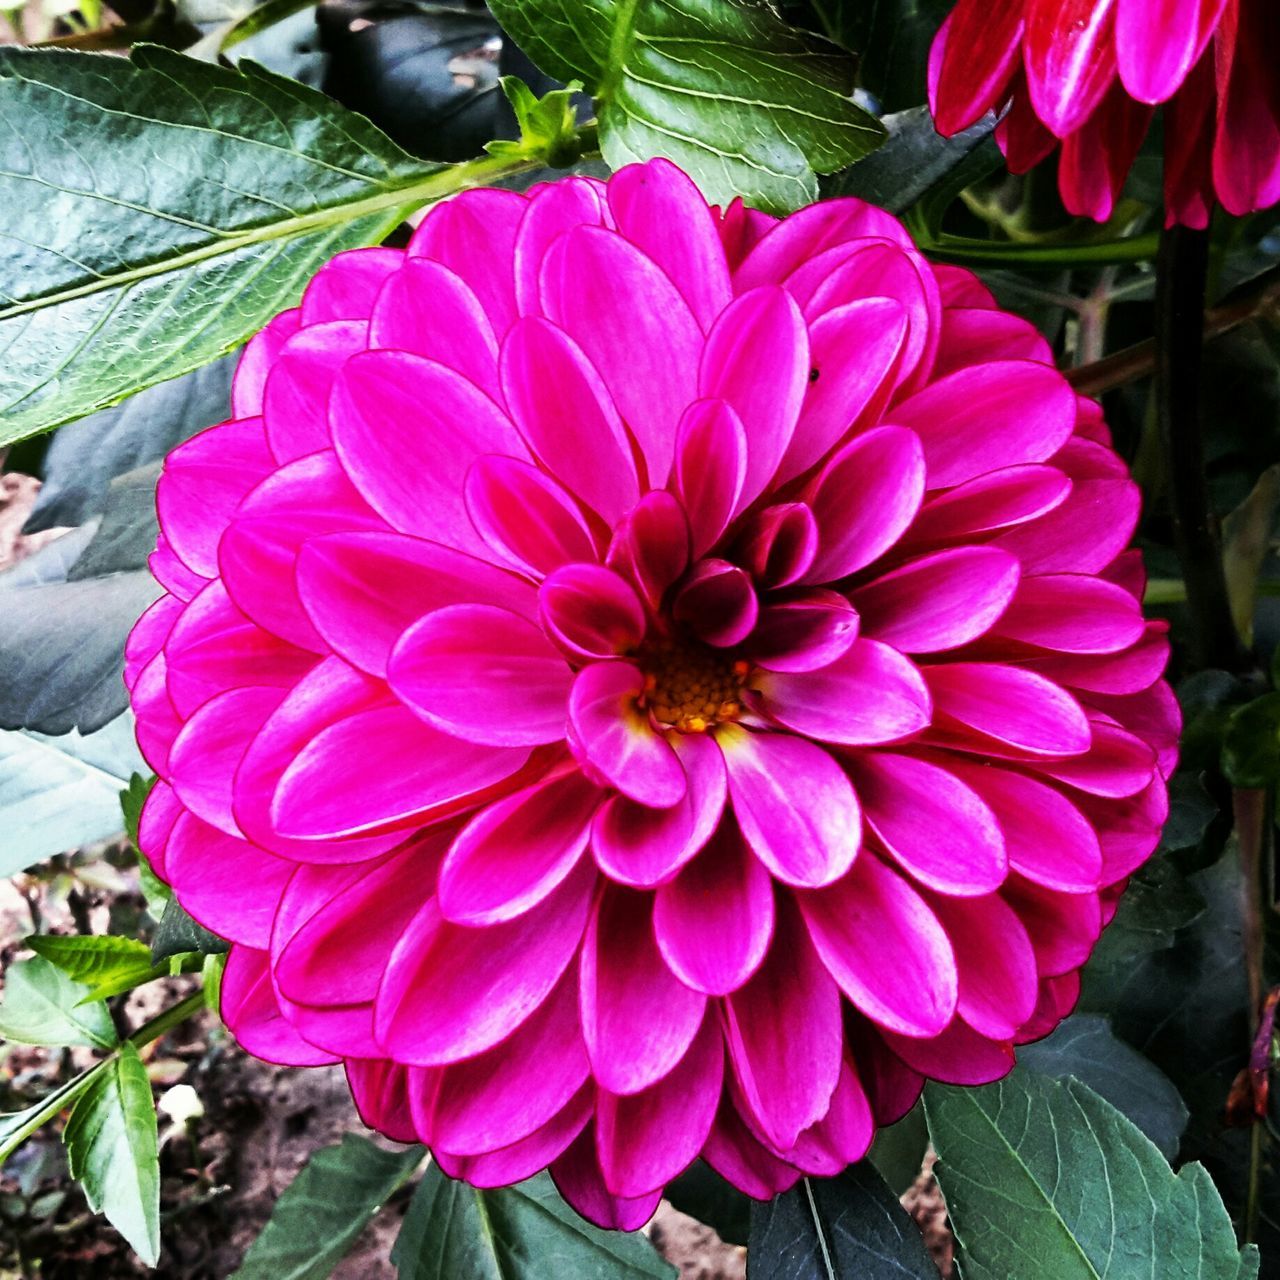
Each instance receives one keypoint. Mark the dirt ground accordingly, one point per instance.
(224, 1167)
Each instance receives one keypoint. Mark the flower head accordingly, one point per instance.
(636, 681)
(1089, 74)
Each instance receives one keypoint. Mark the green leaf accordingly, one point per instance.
(1045, 1178)
(1251, 745)
(44, 1006)
(898, 1151)
(105, 965)
(525, 1232)
(703, 1194)
(177, 934)
(132, 798)
(744, 103)
(58, 793)
(323, 1210)
(111, 1149)
(548, 125)
(846, 1228)
(1085, 1047)
(125, 270)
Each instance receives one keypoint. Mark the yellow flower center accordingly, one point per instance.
(690, 686)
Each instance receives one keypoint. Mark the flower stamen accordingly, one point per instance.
(691, 687)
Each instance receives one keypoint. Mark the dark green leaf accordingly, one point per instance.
(126, 535)
(525, 1232)
(85, 456)
(323, 1210)
(1191, 810)
(1158, 902)
(1251, 745)
(898, 1152)
(177, 934)
(105, 965)
(703, 1194)
(1045, 1178)
(1085, 1047)
(44, 1006)
(1207, 700)
(914, 159)
(132, 798)
(58, 793)
(846, 1228)
(125, 271)
(746, 104)
(111, 1148)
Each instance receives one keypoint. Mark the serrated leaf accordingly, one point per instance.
(58, 793)
(744, 103)
(112, 1150)
(124, 270)
(846, 1228)
(1085, 1047)
(104, 965)
(86, 456)
(525, 1232)
(178, 934)
(43, 1006)
(1045, 1178)
(323, 1210)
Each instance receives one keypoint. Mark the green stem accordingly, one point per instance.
(1180, 285)
(994, 253)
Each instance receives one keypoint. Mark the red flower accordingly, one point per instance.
(1090, 73)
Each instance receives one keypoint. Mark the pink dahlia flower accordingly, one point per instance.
(636, 681)
(1089, 73)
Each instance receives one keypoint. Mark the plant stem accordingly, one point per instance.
(1257, 298)
(1181, 270)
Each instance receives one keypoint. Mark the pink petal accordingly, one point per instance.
(1246, 151)
(1062, 926)
(638, 1019)
(1118, 763)
(784, 1033)
(710, 469)
(765, 394)
(380, 1090)
(524, 517)
(854, 353)
(1072, 612)
(635, 328)
(564, 412)
(203, 482)
(225, 883)
(450, 992)
(508, 1092)
(777, 545)
(613, 736)
(885, 947)
(870, 694)
(640, 846)
(256, 360)
(1130, 671)
(811, 629)
(346, 286)
(957, 1055)
(718, 602)
(251, 1011)
(650, 545)
(578, 1179)
(794, 803)
(157, 723)
(842, 1136)
(973, 57)
(1012, 706)
(989, 416)
(390, 406)
(553, 209)
(975, 335)
(590, 611)
(646, 1139)
(1010, 496)
(1047, 838)
(658, 208)
(482, 674)
(258, 555)
(864, 500)
(363, 590)
(474, 234)
(295, 405)
(515, 852)
(160, 812)
(427, 309)
(995, 961)
(1070, 59)
(714, 921)
(937, 828)
(735, 1153)
(939, 601)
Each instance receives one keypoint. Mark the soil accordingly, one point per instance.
(254, 1125)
